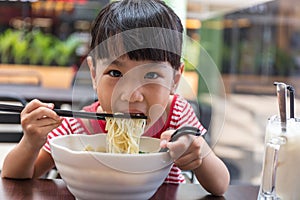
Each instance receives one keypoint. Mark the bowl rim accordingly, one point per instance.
(52, 143)
(109, 159)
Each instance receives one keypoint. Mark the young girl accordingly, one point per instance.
(135, 67)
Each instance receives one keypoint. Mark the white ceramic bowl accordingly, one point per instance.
(95, 175)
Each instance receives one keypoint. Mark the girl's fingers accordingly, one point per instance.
(180, 146)
(194, 155)
(185, 149)
(165, 137)
(188, 157)
(191, 156)
(190, 165)
(34, 104)
(39, 113)
(36, 110)
(38, 119)
(182, 141)
(46, 121)
(37, 135)
(48, 128)
(43, 112)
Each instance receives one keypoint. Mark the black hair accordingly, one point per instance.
(157, 31)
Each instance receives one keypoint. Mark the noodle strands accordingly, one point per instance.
(123, 135)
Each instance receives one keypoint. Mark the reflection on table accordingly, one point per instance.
(56, 189)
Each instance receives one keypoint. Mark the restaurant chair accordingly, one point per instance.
(10, 127)
(203, 113)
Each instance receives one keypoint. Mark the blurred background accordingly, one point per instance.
(234, 52)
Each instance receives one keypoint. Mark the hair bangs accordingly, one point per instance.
(143, 30)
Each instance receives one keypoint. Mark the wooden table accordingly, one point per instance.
(43, 189)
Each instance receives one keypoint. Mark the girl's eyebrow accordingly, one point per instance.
(117, 63)
(155, 64)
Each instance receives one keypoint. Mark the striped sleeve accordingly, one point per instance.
(183, 114)
(68, 126)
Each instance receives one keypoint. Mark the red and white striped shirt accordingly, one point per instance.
(181, 113)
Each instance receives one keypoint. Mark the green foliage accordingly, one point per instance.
(40, 47)
(64, 50)
(284, 63)
(36, 48)
(7, 41)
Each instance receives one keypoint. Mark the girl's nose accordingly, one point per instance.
(131, 95)
(130, 86)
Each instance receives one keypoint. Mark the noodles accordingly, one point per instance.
(123, 135)
(90, 148)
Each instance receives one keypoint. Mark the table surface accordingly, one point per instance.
(56, 189)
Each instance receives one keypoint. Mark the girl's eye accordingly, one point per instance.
(151, 75)
(115, 73)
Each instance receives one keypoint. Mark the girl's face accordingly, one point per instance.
(129, 86)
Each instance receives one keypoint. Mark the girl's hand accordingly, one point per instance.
(37, 120)
(186, 150)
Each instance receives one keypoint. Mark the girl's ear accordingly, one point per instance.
(90, 63)
(177, 77)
